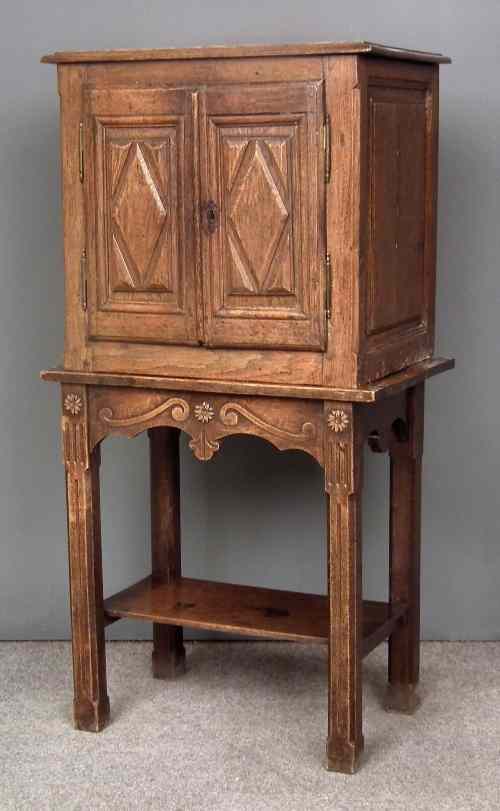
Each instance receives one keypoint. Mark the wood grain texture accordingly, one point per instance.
(382, 389)
(263, 254)
(208, 220)
(397, 238)
(247, 610)
(207, 419)
(70, 83)
(196, 72)
(404, 577)
(250, 248)
(343, 484)
(343, 224)
(241, 51)
(91, 703)
(169, 655)
(140, 187)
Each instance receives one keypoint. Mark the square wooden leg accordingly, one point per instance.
(169, 655)
(404, 643)
(91, 703)
(343, 479)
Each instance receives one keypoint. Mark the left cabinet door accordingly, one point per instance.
(141, 240)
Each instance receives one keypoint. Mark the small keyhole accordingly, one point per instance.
(211, 216)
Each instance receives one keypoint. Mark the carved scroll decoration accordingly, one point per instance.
(231, 412)
(180, 412)
(207, 421)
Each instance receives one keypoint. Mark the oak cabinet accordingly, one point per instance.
(250, 245)
(277, 211)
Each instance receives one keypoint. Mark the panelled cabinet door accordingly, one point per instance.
(139, 191)
(262, 199)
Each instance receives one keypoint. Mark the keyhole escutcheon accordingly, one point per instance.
(211, 216)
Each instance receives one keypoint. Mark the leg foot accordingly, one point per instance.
(169, 653)
(343, 757)
(402, 698)
(91, 703)
(404, 579)
(91, 716)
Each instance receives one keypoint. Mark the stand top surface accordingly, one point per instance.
(387, 387)
(245, 51)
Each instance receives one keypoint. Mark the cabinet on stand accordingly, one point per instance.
(250, 248)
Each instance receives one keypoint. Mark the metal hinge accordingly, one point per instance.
(83, 279)
(80, 152)
(327, 148)
(328, 287)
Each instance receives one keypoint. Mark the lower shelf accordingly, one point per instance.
(244, 610)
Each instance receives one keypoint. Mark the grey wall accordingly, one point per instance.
(251, 515)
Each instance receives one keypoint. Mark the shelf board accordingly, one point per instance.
(246, 610)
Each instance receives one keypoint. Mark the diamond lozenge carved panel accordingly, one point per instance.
(258, 215)
(139, 184)
(141, 239)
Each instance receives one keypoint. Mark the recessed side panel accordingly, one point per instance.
(399, 237)
(140, 216)
(396, 210)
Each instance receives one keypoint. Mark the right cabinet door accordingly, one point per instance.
(262, 199)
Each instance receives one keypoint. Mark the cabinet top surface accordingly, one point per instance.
(242, 51)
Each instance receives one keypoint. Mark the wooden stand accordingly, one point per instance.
(330, 425)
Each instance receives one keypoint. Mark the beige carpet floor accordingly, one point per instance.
(245, 729)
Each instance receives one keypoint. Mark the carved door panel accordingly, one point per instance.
(139, 191)
(262, 211)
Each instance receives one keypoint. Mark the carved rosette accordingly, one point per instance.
(204, 412)
(338, 420)
(73, 403)
(339, 451)
(74, 431)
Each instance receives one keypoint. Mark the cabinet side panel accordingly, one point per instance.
(398, 225)
(71, 79)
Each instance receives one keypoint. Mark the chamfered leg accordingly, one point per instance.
(168, 650)
(404, 578)
(91, 703)
(343, 482)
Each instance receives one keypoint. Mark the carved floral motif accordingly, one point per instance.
(73, 403)
(338, 420)
(204, 412)
(206, 422)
